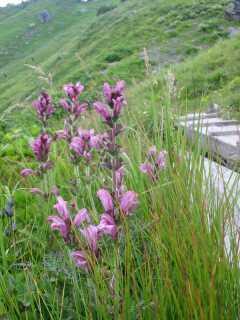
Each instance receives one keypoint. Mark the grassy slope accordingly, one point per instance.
(211, 77)
(79, 45)
(176, 267)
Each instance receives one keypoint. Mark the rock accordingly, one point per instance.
(32, 25)
(45, 16)
(233, 12)
(237, 6)
(232, 31)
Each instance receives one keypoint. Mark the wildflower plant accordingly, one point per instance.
(74, 109)
(154, 164)
(79, 232)
(116, 202)
(43, 106)
(42, 144)
(81, 142)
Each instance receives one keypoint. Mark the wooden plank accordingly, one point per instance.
(221, 130)
(215, 135)
(232, 140)
(226, 187)
(195, 116)
(221, 138)
(210, 122)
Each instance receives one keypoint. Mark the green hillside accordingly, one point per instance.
(79, 44)
(105, 211)
(210, 77)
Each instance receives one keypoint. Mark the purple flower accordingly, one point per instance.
(115, 99)
(41, 147)
(43, 106)
(65, 105)
(102, 109)
(87, 156)
(155, 162)
(27, 172)
(96, 141)
(47, 165)
(152, 151)
(99, 141)
(108, 226)
(161, 159)
(85, 135)
(119, 88)
(107, 91)
(148, 169)
(119, 174)
(61, 207)
(117, 106)
(62, 223)
(79, 108)
(73, 107)
(55, 191)
(77, 145)
(107, 201)
(81, 217)
(129, 202)
(37, 191)
(83, 143)
(113, 93)
(79, 257)
(73, 91)
(59, 224)
(61, 134)
(92, 235)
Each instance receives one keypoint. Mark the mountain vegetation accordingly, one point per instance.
(104, 213)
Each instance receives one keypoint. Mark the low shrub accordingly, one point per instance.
(104, 9)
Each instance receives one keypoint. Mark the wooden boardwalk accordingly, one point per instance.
(218, 137)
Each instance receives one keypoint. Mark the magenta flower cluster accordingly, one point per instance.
(79, 232)
(84, 143)
(111, 110)
(88, 232)
(44, 107)
(41, 145)
(155, 162)
(71, 104)
(41, 148)
(117, 203)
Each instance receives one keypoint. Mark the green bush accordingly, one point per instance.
(113, 57)
(104, 9)
(118, 55)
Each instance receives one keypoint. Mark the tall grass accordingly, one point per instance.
(171, 262)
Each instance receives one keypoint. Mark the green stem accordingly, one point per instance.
(77, 177)
(2, 247)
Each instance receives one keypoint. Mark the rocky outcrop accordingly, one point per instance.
(233, 12)
(45, 16)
